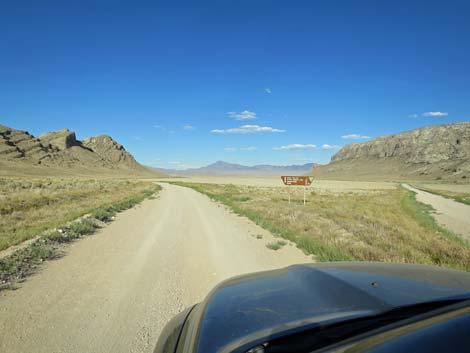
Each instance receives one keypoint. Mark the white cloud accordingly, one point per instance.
(329, 147)
(413, 116)
(295, 146)
(435, 114)
(355, 137)
(268, 90)
(230, 149)
(247, 129)
(244, 115)
(188, 127)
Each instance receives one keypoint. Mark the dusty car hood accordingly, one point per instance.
(281, 300)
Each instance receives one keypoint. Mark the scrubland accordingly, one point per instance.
(459, 193)
(29, 206)
(385, 224)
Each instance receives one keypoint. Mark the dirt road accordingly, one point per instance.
(451, 214)
(115, 290)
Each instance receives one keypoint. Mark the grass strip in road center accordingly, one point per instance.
(370, 225)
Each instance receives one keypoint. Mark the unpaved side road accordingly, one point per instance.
(451, 214)
(115, 290)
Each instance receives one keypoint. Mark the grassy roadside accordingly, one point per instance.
(31, 206)
(459, 197)
(23, 262)
(385, 225)
(422, 213)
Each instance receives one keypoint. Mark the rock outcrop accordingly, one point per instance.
(17, 144)
(61, 139)
(59, 152)
(432, 152)
(110, 151)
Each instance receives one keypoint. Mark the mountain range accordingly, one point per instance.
(221, 168)
(438, 152)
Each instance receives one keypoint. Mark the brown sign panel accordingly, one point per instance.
(296, 180)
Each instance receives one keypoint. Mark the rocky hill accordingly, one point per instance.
(60, 153)
(439, 152)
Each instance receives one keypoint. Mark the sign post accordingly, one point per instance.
(291, 180)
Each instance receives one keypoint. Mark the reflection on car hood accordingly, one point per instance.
(317, 293)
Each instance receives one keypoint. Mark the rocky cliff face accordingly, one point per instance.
(16, 144)
(110, 151)
(432, 152)
(431, 144)
(61, 139)
(60, 151)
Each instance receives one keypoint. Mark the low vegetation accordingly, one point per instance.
(373, 225)
(30, 206)
(276, 245)
(462, 197)
(53, 206)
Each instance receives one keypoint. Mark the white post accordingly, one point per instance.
(288, 191)
(305, 189)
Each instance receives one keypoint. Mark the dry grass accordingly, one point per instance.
(271, 181)
(457, 195)
(374, 225)
(30, 206)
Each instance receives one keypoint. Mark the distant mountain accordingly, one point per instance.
(232, 169)
(60, 153)
(439, 152)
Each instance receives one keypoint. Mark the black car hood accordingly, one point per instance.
(281, 300)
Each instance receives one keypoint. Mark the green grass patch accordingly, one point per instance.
(24, 262)
(422, 214)
(276, 245)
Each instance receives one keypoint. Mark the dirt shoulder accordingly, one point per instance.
(449, 213)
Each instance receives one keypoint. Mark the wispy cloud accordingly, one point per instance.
(246, 129)
(244, 115)
(163, 128)
(295, 146)
(435, 114)
(188, 127)
(355, 137)
(329, 147)
(268, 90)
(232, 149)
(429, 115)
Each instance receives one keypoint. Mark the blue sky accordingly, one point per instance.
(248, 81)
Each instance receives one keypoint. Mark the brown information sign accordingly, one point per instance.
(296, 180)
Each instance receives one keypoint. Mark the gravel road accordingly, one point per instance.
(115, 290)
(451, 214)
